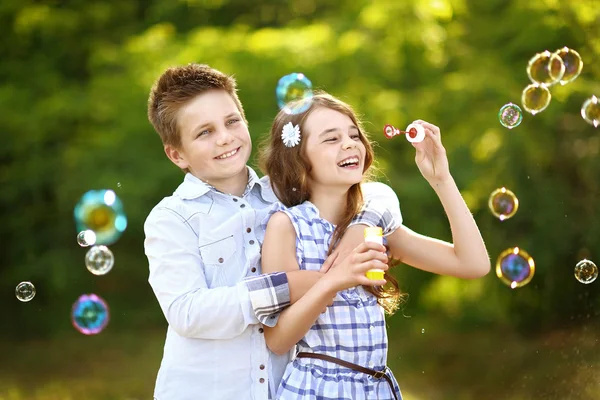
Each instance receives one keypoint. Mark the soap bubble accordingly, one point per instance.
(586, 271)
(25, 291)
(101, 211)
(503, 203)
(515, 267)
(573, 64)
(90, 314)
(535, 98)
(590, 111)
(99, 260)
(510, 115)
(86, 238)
(294, 93)
(545, 68)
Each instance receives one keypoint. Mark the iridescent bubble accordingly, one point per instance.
(573, 64)
(590, 111)
(86, 238)
(586, 271)
(89, 314)
(294, 93)
(101, 211)
(99, 260)
(510, 115)
(515, 267)
(503, 203)
(535, 98)
(545, 68)
(25, 291)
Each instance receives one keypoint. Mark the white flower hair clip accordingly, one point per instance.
(290, 134)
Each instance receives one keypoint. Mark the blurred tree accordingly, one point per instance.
(74, 82)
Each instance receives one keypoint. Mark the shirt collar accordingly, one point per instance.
(193, 187)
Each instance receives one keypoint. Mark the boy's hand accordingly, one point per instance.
(353, 236)
(329, 262)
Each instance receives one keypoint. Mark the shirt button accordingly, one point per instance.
(251, 242)
(260, 330)
(262, 366)
(221, 260)
(262, 380)
(242, 205)
(248, 230)
(253, 269)
(234, 199)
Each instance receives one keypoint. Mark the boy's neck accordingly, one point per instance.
(235, 185)
(331, 203)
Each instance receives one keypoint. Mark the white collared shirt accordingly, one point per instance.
(204, 257)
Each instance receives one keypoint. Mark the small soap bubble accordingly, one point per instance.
(99, 260)
(535, 98)
(423, 330)
(586, 271)
(510, 115)
(89, 314)
(515, 267)
(573, 64)
(545, 68)
(118, 184)
(101, 211)
(503, 203)
(294, 93)
(86, 238)
(25, 291)
(590, 111)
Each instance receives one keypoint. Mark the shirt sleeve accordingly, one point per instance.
(381, 208)
(178, 281)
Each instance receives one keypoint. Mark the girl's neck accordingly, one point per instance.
(330, 202)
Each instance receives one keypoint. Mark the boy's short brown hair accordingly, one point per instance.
(177, 86)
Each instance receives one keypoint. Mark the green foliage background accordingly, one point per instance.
(74, 81)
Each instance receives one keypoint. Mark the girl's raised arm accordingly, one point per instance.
(467, 257)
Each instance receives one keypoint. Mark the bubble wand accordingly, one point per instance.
(414, 133)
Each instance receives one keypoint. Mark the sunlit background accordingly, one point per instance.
(74, 82)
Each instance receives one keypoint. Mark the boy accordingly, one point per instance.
(202, 244)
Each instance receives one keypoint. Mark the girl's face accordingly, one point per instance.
(334, 149)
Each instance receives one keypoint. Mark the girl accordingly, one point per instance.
(316, 161)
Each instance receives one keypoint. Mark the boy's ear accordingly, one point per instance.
(176, 156)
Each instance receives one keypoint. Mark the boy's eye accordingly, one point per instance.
(204, 132)
(355, 136)
(331, 140)
(233, 121)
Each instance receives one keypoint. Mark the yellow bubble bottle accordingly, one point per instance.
(374, 234)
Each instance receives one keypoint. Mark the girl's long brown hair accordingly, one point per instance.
(289, 168)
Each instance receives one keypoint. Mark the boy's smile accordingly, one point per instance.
(215, 142)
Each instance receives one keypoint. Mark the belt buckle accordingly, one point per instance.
(378, 374)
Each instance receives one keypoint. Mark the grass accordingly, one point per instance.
(430, 365)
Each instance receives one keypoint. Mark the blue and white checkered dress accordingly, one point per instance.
(352, 329)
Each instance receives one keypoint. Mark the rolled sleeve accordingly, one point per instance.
(269, 294)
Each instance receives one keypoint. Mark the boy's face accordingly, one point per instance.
(215, 142)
